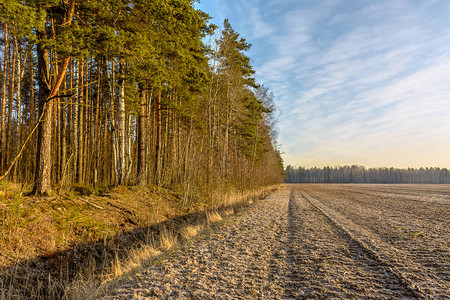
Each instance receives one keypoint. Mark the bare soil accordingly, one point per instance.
(65, 246)
(314, 241)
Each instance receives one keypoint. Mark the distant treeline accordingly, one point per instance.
(359, 174)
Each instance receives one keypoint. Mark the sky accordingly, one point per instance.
(355, 82)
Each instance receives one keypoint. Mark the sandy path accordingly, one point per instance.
(282, 247)
(240, 259)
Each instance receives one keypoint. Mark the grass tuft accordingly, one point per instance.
(213, 217)
(190, 231)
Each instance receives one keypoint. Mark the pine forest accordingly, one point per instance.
(107, 93)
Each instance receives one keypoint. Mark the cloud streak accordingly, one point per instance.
(365, 83)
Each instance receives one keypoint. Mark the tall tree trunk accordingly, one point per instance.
(158, 139)
(5, 76)
(32, 109)
(76, 133)
(105, 149)
(62, 139)
(142, 139)
(71, 130)
(18, 129)
(81, 120)
(86, 125)
(97, 143)
(149, 134)
(54, 72)
(225, 144)
(164, 152)
(42, 180)
(116, 166)
(129, 160)
(122, 126)
(10, 142)
(47, 90)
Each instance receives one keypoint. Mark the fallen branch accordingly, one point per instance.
(90, 203)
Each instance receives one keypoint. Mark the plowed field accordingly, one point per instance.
(315, 241)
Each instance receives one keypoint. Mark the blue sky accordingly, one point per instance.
(355, 82)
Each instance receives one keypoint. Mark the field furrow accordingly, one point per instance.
(310, 242)
(328, 262)
(414, 239)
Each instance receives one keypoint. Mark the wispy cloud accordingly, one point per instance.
(365, 82)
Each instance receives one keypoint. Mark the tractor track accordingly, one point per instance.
(288, 246)
(366, 242)
(412, 239)
(328, 261)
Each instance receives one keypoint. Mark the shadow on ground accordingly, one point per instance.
(54, 276)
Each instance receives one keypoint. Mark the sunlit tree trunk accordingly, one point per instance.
(81, 120)
(4, 87)
(98, 131)
(10, 142)
(47, 90)
(19, 128)
(42, 184)
(76, 114)
(122, 124)
(142, 139)
(114, 140)
(158, 139)
(31, 123)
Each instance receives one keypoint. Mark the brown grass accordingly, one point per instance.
(213, 217)
(69, 245)
(190, 231)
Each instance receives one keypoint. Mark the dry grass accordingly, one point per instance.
(74, 247)
(167, 238)
(228, 211)
(213, 217)
(190, 231)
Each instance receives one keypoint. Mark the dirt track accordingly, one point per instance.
(315, 241)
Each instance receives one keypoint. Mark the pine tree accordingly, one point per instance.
(48, 88)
